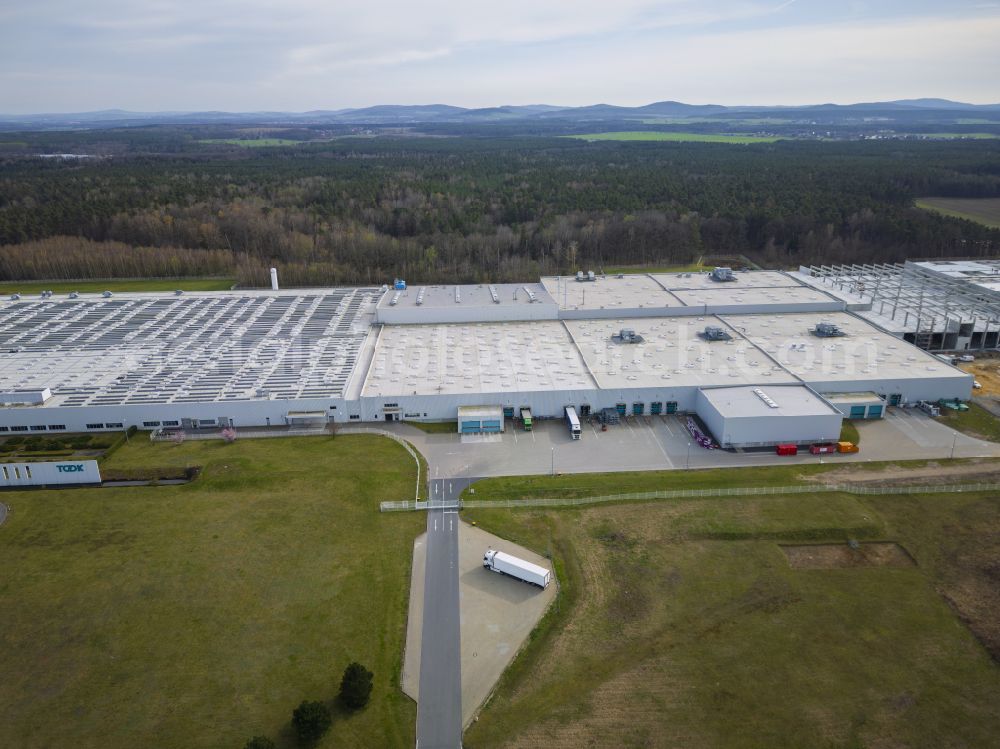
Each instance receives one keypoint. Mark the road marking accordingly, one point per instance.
(451, 523)
(435, 523)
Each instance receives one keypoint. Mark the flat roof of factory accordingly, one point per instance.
(672, 354)
(723, 293)
(162, 348)
(747, 401)
(609, 292)
(863, 353)
(466, 295)
(471, 358)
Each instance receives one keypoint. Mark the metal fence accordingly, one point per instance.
(747, 491)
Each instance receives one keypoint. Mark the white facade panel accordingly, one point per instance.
(13, 475)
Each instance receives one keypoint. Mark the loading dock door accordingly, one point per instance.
(656, 408)
(671, 407)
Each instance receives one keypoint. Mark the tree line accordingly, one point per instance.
(475, 209)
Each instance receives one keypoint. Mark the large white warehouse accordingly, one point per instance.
(641, 344)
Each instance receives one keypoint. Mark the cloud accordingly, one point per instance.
(305, 54)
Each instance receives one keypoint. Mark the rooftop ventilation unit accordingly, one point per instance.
(458, 294)
(494, 294)
(15, 297)
(395, 299)
(764, 397)
(588, 276)
(74, 295)
(715, 333)
(722, 274)
(828, 330)
(107, 295)
(420, 295)
(531, 294)
(399, 284)
(627, 335)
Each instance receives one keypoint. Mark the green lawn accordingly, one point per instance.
(668, 632)
(117, 284)
(436, 427)
(977, 422)
(984, 211)
(255, 142)
(849, 432)
(643, 135)
(199, 615)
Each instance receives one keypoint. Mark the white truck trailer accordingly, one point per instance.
(505, 564)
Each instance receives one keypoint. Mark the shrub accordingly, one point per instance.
(356, 686)
(311, 720)
(259, 742)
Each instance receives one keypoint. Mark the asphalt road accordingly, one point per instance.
(439, 708)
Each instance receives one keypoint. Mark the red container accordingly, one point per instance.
(823, 448)
(787, 449)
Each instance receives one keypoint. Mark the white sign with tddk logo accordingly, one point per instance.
(43, 474)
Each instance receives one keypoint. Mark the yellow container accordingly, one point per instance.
(846, 447)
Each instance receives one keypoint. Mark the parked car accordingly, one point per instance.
(966, 358)
(977, 384)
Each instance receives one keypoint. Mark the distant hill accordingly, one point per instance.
(928, 110)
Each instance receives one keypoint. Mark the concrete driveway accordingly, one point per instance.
(497, 615)
(661, 442)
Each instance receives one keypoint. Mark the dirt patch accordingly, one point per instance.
(987, 372)
(842, 556)
(974, 471)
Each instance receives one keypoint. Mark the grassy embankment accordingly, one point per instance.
(117, 284)
(682, 624)
(200, 615)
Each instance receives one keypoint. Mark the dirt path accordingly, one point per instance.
(977, 470)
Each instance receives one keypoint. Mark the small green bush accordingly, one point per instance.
(311, 720)
(356, 686)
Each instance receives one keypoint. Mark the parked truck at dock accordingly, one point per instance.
(507, 564)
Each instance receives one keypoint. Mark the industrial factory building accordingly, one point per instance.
(722, 346)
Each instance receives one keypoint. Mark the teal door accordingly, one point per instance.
(655, 408)
(671, 407)
(875, 412)
(638, 409)
(857, 412)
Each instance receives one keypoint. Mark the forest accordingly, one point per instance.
(161, 201)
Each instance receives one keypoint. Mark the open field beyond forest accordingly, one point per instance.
(984, 211)
(200, 615)
(654, 135)
(254, 142)
(117, 284)
(682, 623)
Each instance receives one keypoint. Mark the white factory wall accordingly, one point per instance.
(432, 407)
(912, 390)
(747, 431)
(49, 474)
(242, 413)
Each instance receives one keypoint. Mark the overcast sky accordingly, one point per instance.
(296, 55)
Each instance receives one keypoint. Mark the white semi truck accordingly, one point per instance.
(505, 564)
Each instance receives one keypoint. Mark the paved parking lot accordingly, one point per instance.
(497, 615)
(662, 442)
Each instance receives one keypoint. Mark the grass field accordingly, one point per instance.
(254, 142)
(677, 137)
(669, 632)
(200, 615)
(594, 484)
(966, 136)
(117, 284)
(981, 210)
(977, 422)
